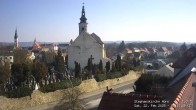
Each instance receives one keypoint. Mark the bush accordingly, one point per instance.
(147, 81)
(114, 75)
(144, 83)
(124, 72)
(48, 88)
(100, 77)
(60, 85)
(76, 82)
(19, 92)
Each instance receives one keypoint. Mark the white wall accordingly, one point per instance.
(9, 59)
(82, 48)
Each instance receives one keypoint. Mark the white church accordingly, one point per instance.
(86, 46)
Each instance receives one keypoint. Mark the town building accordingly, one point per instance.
(162, 52)
(86, 46)
(44, 47)
(9, 58)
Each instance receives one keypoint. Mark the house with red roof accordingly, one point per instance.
(36, 46)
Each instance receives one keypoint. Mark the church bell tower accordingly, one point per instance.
(83, 23)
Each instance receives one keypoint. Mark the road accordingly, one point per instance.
(94, 101)
(91, 99)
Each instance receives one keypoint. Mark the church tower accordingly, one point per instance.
(83, 23)
(16, 45)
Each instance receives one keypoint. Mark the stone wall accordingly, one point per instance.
(38, 97)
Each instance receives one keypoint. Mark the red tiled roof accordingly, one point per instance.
(119, 101)
(36, 46)
(185, 97)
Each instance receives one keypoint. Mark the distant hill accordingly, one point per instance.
(29, 44)
(22, 44)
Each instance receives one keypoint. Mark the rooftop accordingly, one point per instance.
(97, 38)
(185, 98)
(119, 101)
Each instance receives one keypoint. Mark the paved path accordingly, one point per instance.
(91, 99)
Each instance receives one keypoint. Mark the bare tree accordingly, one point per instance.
(73, 101)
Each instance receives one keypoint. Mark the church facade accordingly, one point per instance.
(86, 46)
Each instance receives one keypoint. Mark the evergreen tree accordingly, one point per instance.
(66, 61)
(100, 65)
(113, 67)
(118, 63)
(94, 69)
(77, 69)
(59, 64)
(121, 47)
(183, 48)
(107, 66)
(90, 65)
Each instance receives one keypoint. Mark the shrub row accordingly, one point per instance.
(111, 75)
(60, 85)
(19, 92)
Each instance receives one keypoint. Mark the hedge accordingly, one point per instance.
(60, 85)
(19, 92)
(100, 77)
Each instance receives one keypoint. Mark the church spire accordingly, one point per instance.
(16, 39)
(83, 23)
(16, 35)
(83, 17)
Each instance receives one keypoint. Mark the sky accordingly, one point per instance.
(111, 20)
